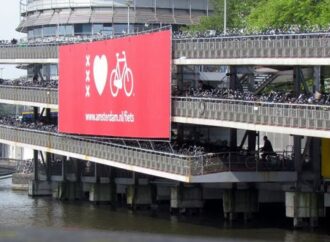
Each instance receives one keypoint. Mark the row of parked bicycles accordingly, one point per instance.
(22, 82)
(272, 97)
(211, 158)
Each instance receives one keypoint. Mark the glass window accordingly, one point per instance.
(30, 34)
(37, 32)
(49, 31)
(97, 28)
(120, 29)
(53, 70)
(66, 30)
(107, 29)
(82, 29)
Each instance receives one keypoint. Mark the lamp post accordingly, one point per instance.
(225, 17)
(129, 2)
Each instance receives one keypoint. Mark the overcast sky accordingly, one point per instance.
(9, 15)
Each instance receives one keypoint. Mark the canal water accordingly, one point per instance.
(19, 210)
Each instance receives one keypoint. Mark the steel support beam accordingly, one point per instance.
(296, 80)
(35, 114)
(252, 135)
(317, 78)
(316, 161)
(49, 158)
(35, 165)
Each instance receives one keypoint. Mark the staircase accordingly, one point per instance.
(261, 80)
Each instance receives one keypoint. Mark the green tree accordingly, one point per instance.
(324, 10)
(262, 15)
(237, 11)
(285, 14)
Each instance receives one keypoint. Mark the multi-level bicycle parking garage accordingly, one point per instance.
(234, 166)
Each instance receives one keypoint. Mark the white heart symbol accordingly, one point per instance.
(100, 72)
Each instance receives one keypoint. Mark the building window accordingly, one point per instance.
(30, 34)
(120, 29)
(65, 30)
(97, 28)
(37, 32)
(107, 29)
(82, 29)
(49, 31)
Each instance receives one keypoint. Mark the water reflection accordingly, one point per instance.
(17, 209)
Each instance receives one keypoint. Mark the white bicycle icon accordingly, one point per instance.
(119, 78)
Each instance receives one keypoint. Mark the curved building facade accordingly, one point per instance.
(44, 18)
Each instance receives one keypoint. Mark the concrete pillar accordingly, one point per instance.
(98, 168)
(304, 207)
(186, 198)
(39, 188)
(163, 193)
(100, 193)
(64, 168)
(68, 191)
(154, 195)
(77, 164)
(113, 187)
(240, 201)
(139, 196)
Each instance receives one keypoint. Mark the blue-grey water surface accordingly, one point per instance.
(19, 210)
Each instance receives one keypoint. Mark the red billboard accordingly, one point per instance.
(118, 87)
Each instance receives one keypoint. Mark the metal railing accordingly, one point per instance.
(7, 162)
(26, 51)
(160, 161)
(273, 46)
(272, 114)
(133, 156)
(51, 4)
(28, 94)
(242, 162)
(263, 46)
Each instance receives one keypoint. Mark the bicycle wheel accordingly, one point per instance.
(250, 163)
(114, 90)
(128, 82)
(272, 163)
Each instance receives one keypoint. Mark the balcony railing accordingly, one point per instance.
(272, 114)
(133, 156)
(26, 51)
(280, 46)
(28, 94)
(302, 116)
